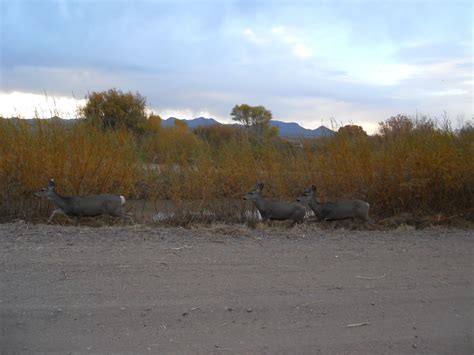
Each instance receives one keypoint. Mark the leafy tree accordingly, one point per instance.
(396, 126)
(255, 117)
(352, 131)
(114, 109)
(241, 113)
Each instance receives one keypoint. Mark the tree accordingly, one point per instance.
(114, 109)
(255, 117)
(396, 126)
(352, 131)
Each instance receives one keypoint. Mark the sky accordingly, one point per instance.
(311, 62)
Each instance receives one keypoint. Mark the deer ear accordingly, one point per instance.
(313, 187)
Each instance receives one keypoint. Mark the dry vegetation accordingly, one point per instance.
(411, 166)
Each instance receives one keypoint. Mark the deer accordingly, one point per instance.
(333, 211)
(83, 206)
(275, 210)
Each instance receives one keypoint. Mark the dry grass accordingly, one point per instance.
(419, 168)
(82, 159)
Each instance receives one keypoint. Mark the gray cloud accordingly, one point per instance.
(194, 55)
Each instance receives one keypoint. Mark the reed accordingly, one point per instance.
(411, 166)
(82, 159)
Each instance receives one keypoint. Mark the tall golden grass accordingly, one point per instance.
(82, 159)
(421, 168)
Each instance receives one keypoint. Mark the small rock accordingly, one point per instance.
(249, 310)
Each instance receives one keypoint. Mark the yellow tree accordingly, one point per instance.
(255, 117)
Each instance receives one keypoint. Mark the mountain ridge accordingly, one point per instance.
(286, 129)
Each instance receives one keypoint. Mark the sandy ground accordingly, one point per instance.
(230, 289)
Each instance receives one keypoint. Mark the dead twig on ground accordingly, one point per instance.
(357, 325)
(183, 247)
(216, 241)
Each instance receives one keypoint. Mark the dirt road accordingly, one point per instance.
(230, 289)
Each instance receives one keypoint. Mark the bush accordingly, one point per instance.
(411, 166)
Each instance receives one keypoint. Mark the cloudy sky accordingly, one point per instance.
(307, 61)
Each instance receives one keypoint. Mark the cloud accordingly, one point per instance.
(251, 36)
(301, 51)
(275, 38)
(185, 113)
(448, 92)
(383, 74)
(30, 105)
(298, 59)
(297, 45)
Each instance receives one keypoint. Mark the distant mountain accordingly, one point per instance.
(195, 122)
(286, 129)
(294, 130)
(68, 123)
(323, 131)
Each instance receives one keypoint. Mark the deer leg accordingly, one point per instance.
(77, 220)
(50, 219)
(127, 217)
(124, 216)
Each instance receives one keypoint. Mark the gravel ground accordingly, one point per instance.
(231, 289)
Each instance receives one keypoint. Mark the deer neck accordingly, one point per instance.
(314, 203)
(260, 203)
(59, 201)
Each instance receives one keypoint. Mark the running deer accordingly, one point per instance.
(275, 210)
(87, 206)
(331, 211)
